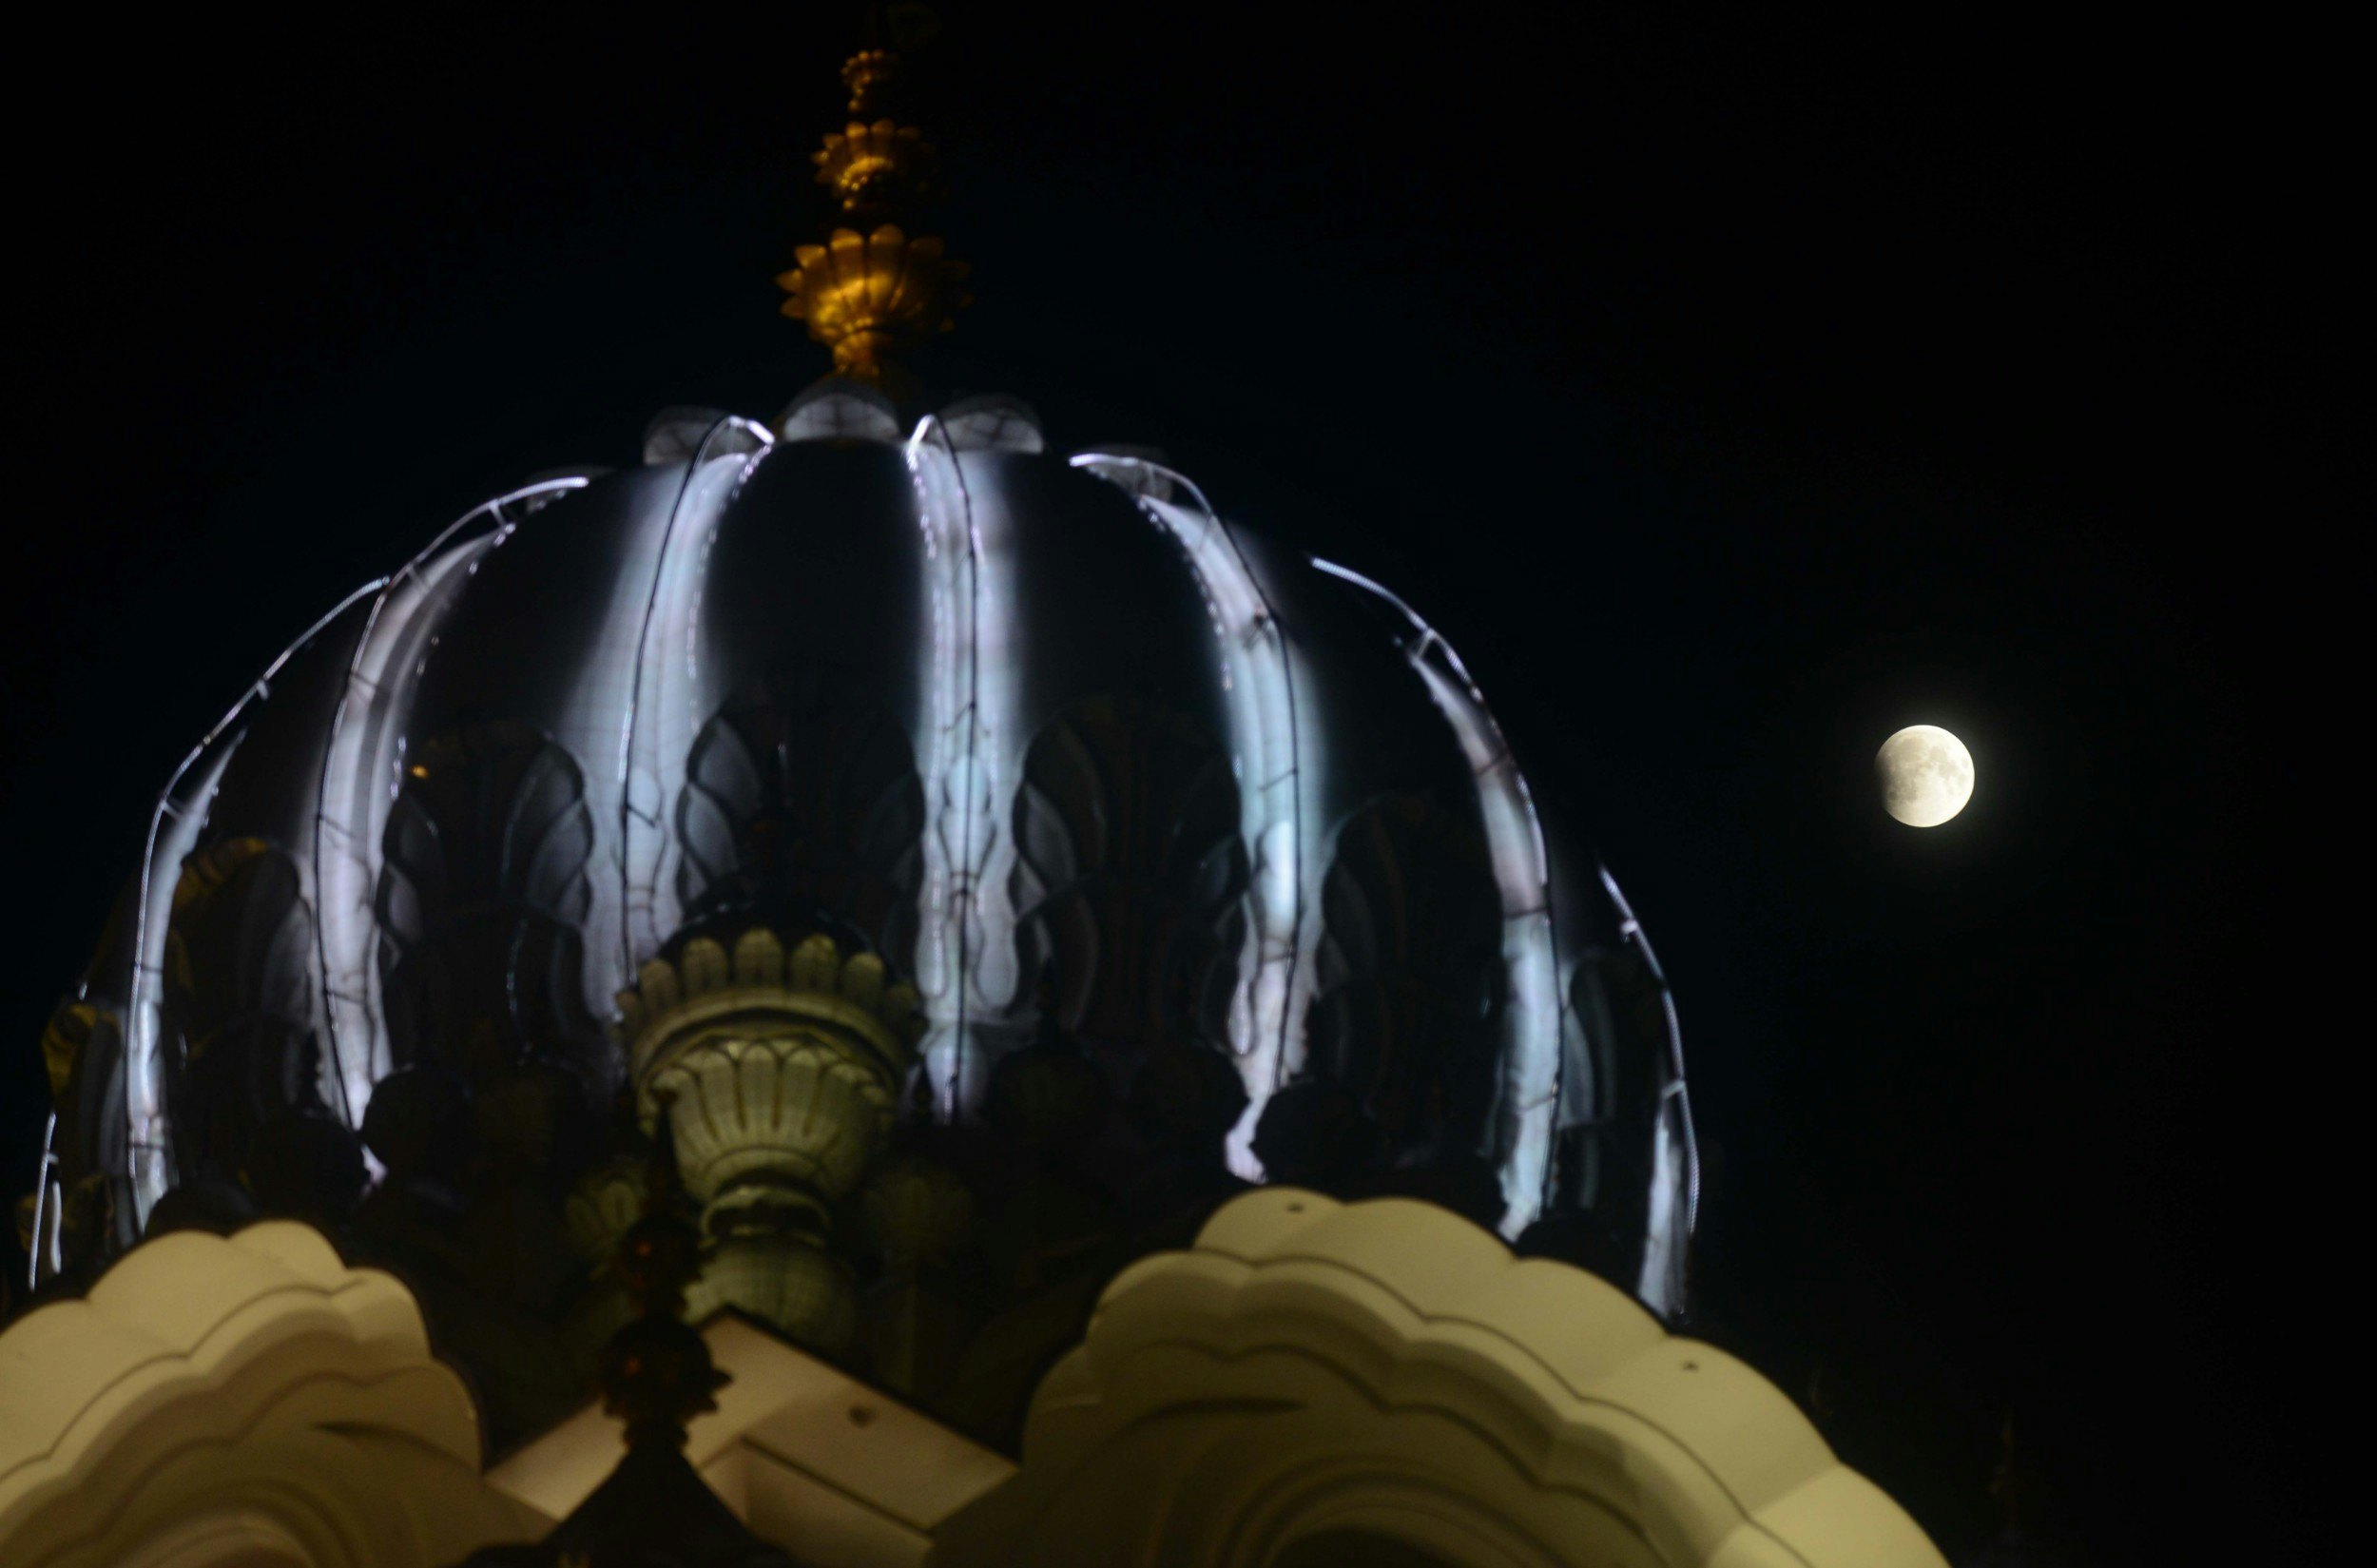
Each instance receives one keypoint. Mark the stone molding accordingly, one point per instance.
(1310, 1380)
(247, 1400)
(1315, 1373)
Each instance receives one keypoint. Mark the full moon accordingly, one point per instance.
(1926, 775)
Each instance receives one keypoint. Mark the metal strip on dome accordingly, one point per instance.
(1534, 1020)
(1674, 1152)
(359, 784)
(965, 945)
(654, 732)
(148, 1134)
(1260, 690)
(42, 1253)
(172, 834)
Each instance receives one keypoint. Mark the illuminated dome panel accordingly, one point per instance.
(1064, 746)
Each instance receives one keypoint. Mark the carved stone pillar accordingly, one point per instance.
(784, 1070)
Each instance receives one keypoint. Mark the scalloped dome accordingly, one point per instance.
(1061, 746)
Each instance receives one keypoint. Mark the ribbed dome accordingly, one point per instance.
(1045, 732)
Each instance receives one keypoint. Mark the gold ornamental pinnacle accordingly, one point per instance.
(870, 294)
(866, 74)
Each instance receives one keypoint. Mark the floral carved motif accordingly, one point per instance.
(801, 803)
(1407, 996)
(1129, 874)
(482, 889)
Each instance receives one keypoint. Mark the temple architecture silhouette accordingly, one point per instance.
(864, 988)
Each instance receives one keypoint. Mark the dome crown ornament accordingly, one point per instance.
(866, 74)
(876, 168)
(870, 295)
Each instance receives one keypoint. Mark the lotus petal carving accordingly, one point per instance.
(871, 167)
(865, 296)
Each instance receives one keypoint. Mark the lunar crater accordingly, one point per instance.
(1926, 775)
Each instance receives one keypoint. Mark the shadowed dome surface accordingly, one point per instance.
(1107, 778)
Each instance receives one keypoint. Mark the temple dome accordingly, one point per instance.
(1072, 754)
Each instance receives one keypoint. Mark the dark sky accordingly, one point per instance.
(1730, 391)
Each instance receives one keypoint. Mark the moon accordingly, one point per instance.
(1926, 775)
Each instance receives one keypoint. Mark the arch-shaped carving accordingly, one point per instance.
(1312, 1369)
(1409, 976)
(82, 1049)
(214, 1396)
(1129, 873)
(238, 1001)
(801, 798)
(482, 890)
(1602, 1161)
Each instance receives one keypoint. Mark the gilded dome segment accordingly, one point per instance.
(868, 296)
(872, 168)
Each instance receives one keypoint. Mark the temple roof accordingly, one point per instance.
(1046, 854)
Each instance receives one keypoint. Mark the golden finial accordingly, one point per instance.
(866, 74)
(870, 295)
(876, 168)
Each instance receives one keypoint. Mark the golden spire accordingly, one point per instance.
(866, 73)
(870, 293)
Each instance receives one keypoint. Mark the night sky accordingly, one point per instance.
(1730, 393)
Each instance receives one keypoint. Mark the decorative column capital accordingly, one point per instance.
(760, 991)
(777, 1073)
